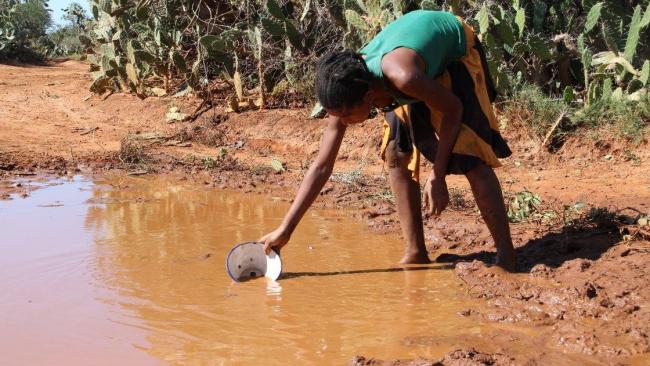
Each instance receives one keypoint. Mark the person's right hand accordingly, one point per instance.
(436, 195)
(275, 239)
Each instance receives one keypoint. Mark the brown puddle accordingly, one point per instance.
(132, 271)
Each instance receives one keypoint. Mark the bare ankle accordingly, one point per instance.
(507, 259)
(417, 257)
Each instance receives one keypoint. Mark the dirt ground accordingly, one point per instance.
(583, 258)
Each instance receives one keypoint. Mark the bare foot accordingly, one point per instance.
(507, 261)
(415, 258)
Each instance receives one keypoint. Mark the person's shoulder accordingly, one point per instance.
(421, 17)
(421, 13)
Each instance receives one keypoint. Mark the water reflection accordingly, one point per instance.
(162, 245)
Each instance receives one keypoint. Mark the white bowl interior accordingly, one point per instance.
(248, 260)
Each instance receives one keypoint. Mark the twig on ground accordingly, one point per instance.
(202, 108)
(138, 172)
(344, 194)
(92, 129)
(553, 128)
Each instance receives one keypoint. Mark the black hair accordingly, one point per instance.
(342, 79)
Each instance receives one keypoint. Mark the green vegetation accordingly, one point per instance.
(630, 118)
(527, 206)
(65, 40)
(586, 60)
(386, 195)
(277, 166)
(523, 205)
(581, 60)
(23, 26)
(26, 34)
(529, 106)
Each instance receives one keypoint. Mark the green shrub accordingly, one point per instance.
(629, 119)
(529, 106)
(66, 40)
(23, 26)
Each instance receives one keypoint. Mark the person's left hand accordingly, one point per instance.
(436, 195)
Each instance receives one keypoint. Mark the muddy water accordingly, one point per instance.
(132, 271)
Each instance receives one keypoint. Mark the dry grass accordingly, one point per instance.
(458, 200)
(206, 131)
(131, 151)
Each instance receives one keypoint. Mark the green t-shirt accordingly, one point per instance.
(437, 36)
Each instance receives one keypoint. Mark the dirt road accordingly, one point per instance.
(583, 255)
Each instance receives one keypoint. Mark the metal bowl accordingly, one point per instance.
(247, 261)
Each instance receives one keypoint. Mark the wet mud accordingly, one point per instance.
(583, 290)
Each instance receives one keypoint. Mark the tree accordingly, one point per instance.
(31, 20)
(23, 26)
(75, 15)
(64, 40)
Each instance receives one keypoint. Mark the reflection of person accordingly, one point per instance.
(427, 71)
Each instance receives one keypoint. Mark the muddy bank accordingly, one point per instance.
(466, 357)
(583, 281)
(598, 308)
(581, 287)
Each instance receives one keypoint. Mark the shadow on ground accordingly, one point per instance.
(290, 275)
(553, 248)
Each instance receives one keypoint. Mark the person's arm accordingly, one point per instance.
(316, 177)
(405, 70)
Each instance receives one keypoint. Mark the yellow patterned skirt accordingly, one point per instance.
(414, 127)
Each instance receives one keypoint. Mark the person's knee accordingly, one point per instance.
(484, 183)
(480, 176)
(480, 171)
(394, 158)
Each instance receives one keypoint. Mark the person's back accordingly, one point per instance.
(438, 37)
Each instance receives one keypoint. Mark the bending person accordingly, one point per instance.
(427, 71)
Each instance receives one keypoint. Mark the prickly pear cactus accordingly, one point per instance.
(366, 18)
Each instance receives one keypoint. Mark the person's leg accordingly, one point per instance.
(489, 198)
(409, 207)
